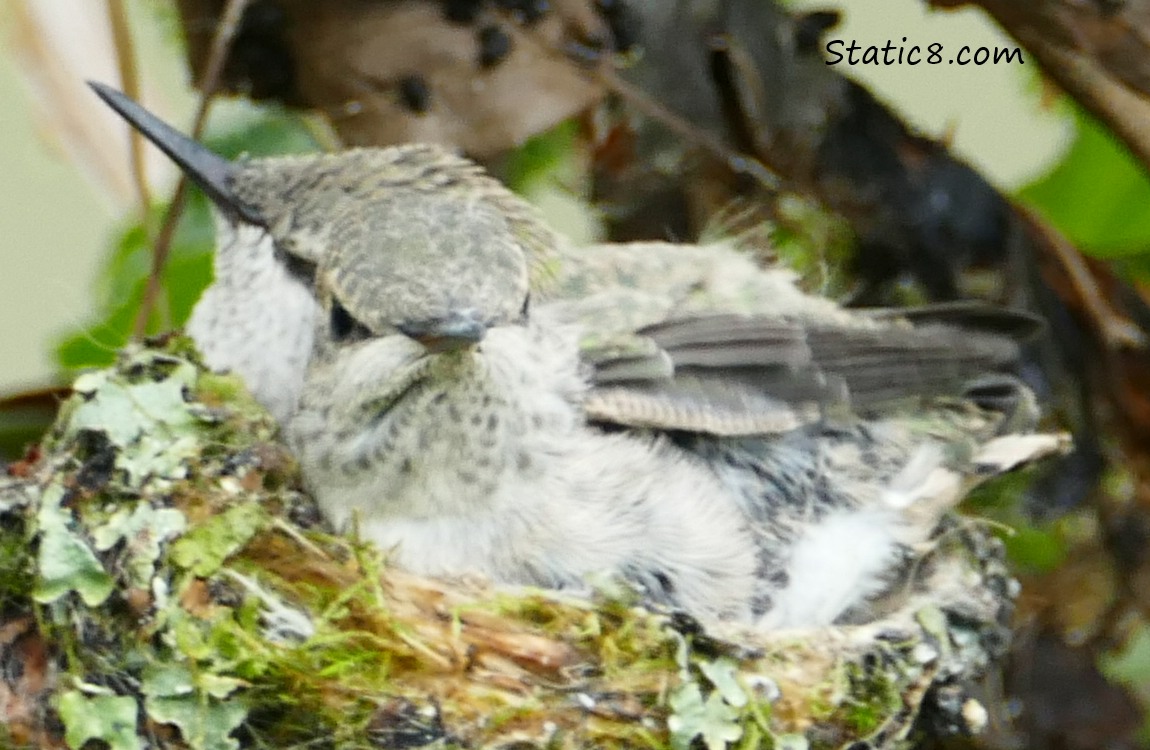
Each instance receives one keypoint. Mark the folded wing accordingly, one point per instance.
(728, 374)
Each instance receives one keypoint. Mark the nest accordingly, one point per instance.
(166, 582)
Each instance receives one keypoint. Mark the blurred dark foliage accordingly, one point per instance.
(23, 419)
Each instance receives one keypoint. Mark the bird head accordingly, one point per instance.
(411, 239)
(438, 269)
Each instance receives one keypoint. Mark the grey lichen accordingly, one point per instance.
(161, 558)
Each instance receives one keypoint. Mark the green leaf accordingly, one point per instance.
(204, 549)
(1131, 665)
(1109, 218)
(122, 283)
(1036, 549)
(270, 132)
(110, 718)
(97, 345)
(541, 156)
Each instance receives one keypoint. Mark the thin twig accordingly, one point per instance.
(605, 76)
(130, 84)
(1117, 331)
(221, 43)
(739, 163)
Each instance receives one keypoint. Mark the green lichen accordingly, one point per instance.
(874, 697)
(16, 565)
(66, 562)
(111, 718)
(204, 549)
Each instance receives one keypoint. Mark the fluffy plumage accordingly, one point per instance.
(482, 397)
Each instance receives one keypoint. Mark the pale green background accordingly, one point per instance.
(55, 227)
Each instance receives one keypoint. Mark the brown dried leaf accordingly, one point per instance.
(397, 72)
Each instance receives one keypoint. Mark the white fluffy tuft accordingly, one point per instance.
(835, 564)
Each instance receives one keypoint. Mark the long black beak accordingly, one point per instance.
(206, 168)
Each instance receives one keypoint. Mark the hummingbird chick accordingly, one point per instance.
(475, 395)
(274, 221)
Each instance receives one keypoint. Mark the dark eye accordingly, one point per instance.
(301, 269)
(345, 328)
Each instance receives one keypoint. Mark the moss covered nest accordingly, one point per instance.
(167, 583)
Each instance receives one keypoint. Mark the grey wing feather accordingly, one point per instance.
(969, 315)
(900, 362)
(717, 374)
(615, 365)
(696, 405)
(742, 375)
(731, 341)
